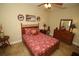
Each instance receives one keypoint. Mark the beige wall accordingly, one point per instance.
(8, 18)
(71, 12)
(9, 12)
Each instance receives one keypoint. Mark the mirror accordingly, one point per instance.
(65, 24)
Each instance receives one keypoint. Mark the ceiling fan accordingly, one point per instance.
(49, 5)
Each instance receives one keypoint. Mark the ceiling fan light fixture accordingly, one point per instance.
(47, 5)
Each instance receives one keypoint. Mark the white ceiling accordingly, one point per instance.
(65, 4)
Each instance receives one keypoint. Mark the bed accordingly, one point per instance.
(38, 44)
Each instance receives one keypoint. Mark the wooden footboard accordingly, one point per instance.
(52, 49)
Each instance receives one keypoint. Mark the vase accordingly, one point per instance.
(1, 35)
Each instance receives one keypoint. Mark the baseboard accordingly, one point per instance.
(15, 42)
(76, 44)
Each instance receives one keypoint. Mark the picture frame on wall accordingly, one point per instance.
(31, 18)
(20, 17)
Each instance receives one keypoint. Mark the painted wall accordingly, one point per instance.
(70, 12)
(11, 25)
(9, 12)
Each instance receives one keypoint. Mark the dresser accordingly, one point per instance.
(64, 35)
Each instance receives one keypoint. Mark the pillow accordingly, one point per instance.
(34, 31)
(28, 31)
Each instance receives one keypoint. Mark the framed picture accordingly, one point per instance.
(20, 17)
(31, 18)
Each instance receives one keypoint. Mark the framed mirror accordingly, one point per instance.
(65, 24)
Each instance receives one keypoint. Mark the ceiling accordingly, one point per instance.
(65, 4)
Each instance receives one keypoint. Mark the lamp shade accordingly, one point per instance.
(38, 18)
(44, 25)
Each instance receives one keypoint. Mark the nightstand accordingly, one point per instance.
(4, 42)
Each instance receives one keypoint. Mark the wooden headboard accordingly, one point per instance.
(23, 26)
(29, 25)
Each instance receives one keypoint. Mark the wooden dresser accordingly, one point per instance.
(64, 35)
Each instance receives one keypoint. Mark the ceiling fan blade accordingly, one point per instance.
(41, 4)
(59, 5)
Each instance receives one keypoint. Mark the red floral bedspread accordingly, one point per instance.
(39, 43)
